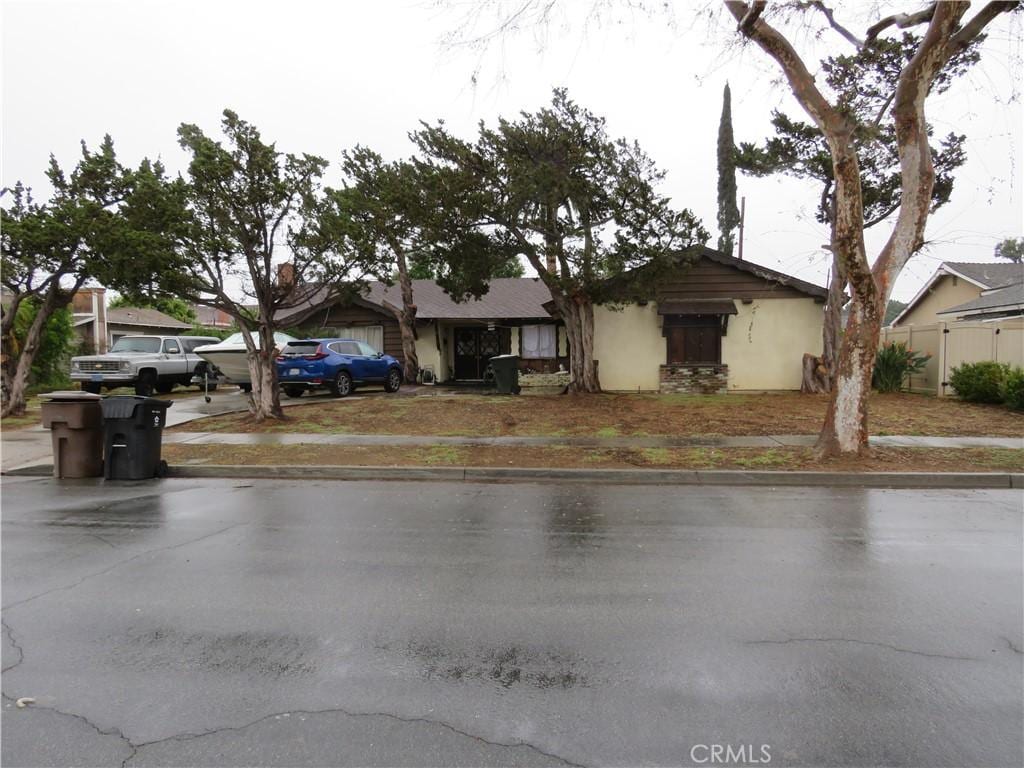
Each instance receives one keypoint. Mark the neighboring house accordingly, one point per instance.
(993, 304)
(208, 317)
(721, 324)
(134, 321)
(89, 315)
(951, 293)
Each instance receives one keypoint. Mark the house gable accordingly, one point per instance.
(716, 278)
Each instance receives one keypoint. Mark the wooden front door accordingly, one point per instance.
(475, 346)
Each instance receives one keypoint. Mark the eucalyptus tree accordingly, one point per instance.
(833, 111)
(865, 81)
(581, 207)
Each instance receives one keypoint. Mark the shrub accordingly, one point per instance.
(980, 382)
(1013, 388)
(893, 364)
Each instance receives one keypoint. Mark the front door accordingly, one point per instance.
(475, 346)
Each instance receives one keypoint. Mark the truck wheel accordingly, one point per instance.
(164, 387)
(89, 386)
(247, 388)
(146, 383)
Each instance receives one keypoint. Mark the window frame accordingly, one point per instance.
(554, 341)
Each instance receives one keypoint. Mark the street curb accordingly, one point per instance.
(603, 476)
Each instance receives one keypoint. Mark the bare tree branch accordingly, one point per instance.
(852, 38)
(901, 20)
(973, 28)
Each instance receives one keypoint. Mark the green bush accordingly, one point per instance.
(893, 364)
(50, 366)
(1013, 388)
(980, 382)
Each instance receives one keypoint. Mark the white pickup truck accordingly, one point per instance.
(149, 363)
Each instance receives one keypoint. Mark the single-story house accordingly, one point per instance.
(720, 324)
(954, 290)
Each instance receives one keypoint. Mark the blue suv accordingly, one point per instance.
(340, 365)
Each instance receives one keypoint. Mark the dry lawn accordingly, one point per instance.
(608, 415)
(881, 459)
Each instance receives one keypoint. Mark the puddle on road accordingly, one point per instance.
(507, 667)
(263, 654)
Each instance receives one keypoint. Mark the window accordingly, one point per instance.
(345, 348)
(366, 349)
(539, 341)
(137, 344)
(693, 339)
(171, 347)
(371, 334)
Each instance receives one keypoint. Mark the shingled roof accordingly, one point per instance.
(143, 316)
(988, 275)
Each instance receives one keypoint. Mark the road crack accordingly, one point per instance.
(348, 713)
(14, 644)
(118, 564)
(81, 718)
(895, 648)
(1011, 645)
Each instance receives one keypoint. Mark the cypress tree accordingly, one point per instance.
(728, 213)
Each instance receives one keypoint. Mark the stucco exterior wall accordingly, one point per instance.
(426, 349)
(766, 341)
(629, 348)
(764, 345)
(947, 292)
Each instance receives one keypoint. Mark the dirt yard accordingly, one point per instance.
(609, 415)
(881, 459)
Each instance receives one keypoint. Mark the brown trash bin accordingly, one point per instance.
(76, 422)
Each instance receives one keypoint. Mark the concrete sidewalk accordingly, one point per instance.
(737, 441)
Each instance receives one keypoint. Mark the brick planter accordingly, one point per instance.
(706, 379)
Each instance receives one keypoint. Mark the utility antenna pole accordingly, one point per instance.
(743, 216)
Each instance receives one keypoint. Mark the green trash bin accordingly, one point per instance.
(506, 374)
(76, 424)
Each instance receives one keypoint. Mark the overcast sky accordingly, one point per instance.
(319, 76)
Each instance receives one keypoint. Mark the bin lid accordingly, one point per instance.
(123, 406)
(70, 396)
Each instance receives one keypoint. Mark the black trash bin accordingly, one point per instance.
(506, 374)
(132, 434)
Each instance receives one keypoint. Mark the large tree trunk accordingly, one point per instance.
(265, 399)
(831, 332)
(8, 347)
(578, 315)
(845, 429)
(407, 321)
(15, 403)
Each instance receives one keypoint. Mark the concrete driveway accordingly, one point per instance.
(317, 623)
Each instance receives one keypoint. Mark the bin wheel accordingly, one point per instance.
(294, 392)
(516, 389)
(88, 386)
(161, 469)
(146, 383)
(394, 380)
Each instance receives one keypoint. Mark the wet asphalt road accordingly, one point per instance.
(326, 623)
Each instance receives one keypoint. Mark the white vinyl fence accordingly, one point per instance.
(953, 344)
